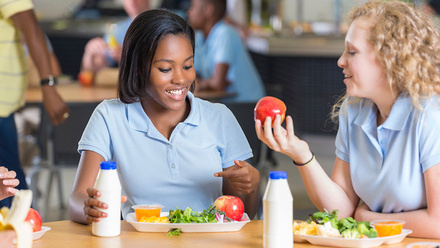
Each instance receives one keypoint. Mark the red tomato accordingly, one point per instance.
(231, 205)
(34, 218)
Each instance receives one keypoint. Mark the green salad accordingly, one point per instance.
(347, 227)
(210, 215)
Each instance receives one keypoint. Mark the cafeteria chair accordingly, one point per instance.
(58, 150)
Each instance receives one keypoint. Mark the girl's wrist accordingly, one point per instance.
(304, 160)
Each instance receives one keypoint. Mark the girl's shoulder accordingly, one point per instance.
(110, 106)
(111, 103)
(210, 108)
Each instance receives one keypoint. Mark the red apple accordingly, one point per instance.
(269, 106)
(85, 78)
(34, 218)
(231, 205)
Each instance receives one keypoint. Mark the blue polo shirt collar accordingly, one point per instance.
(139, 120)
(396, 121)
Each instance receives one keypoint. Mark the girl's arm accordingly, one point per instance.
(81, 200)
(335, 193)
(331, 193)
(425, 223)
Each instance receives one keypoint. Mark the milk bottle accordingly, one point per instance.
(108, 184)
(277, 212)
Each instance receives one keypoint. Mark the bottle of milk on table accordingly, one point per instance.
(108, 184)
(277, 212)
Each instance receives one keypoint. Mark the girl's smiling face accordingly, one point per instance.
(364, 76)
(172, 73)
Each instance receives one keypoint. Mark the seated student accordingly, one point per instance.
(387, 146)
(98, 53)
(177, 6)
(235, 12)
(170, 147)
(222, 60)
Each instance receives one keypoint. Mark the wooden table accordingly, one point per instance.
(69, 234)
(75, 93)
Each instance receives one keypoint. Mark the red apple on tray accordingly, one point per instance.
(269, 106)
(232, 206)
(34, 218)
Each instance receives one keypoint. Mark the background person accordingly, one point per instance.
(222, 61)
(97, 53)
(17, 19)
(236, 12)
(387, 145)
(170, 147)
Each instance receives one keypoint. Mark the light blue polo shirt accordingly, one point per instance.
(224, 45)
(387, 162)
(175, 173)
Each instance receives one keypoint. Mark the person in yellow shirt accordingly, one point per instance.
(17, 19)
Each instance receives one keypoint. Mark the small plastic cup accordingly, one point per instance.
(388, 227)
(147, 210)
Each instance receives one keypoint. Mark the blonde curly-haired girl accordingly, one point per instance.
(387, 145)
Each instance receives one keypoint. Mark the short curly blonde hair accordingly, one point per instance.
(407, 45)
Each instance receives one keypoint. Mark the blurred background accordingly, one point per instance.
(295, 45)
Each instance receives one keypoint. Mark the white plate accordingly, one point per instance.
(36, 235)
(187, 227)
(423, 244)
(39, 234)
(342, 242)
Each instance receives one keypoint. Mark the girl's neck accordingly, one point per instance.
(384, 109)
(385, 103)
(163, 119)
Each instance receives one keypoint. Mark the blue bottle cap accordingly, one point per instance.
(277, 175)
(108, 165)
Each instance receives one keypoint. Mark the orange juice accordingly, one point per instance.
(147, 211)
(388, 228)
